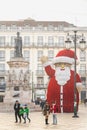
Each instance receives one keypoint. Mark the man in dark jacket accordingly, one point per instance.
(17, 108)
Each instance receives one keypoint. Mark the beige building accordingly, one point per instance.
(39, 38)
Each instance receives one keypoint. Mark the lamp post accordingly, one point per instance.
(82, 43)
(32, 86)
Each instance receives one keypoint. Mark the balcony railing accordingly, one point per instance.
(2, 72)
(83, 72)
(34, 45)
(40, 73)
(40, 86)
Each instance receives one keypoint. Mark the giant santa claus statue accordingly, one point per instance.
(61, 82)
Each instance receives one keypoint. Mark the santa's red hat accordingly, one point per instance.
(65, 56)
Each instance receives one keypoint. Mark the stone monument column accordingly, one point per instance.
(17, 78)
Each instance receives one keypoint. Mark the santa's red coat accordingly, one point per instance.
(53, 91)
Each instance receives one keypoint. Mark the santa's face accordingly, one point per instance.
(62, 73)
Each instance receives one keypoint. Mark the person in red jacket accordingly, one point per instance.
(61, 80)
(54, 112)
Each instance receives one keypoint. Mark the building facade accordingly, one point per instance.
(39, 38)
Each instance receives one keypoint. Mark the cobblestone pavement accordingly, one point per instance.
(65, 121)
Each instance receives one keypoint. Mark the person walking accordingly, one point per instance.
(46, 112)
(26, 113)
(54, 112)
(21, 112)
(16, 109)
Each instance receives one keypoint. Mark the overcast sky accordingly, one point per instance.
(72, 11)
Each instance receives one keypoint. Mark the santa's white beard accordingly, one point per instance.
(62, 76)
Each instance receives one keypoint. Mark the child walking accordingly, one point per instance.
(26, 113)
(46, 112)
(21, 112)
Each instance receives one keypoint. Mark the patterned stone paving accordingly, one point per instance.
(65, 121)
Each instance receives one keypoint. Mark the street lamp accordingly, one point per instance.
(82, 43)
(32, 87)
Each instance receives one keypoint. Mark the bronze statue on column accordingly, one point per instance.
(18, 45)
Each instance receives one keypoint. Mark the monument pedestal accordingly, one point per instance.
(18, 82)
(8, 97)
